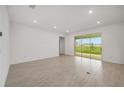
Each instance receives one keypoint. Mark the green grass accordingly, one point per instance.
(95, 49)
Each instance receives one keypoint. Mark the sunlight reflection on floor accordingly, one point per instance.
(89, 64)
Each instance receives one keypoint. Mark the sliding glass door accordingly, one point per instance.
(85, 47)
(78, 47)
(89, 46)
(96, 48)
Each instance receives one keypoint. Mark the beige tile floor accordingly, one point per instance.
(66, 71)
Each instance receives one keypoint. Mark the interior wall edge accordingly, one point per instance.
(4, 45)
(108, 61)
(31, 60)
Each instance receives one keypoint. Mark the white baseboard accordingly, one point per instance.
(33, 59)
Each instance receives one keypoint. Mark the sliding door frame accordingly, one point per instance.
(90, 48)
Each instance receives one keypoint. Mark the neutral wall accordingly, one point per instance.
(4, 45)
(28, 43)
(112, 40)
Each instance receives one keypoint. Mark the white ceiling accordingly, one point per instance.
(73, 18)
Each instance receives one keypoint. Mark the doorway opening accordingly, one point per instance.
(89, 46)
(61, 45)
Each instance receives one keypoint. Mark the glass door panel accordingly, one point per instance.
(85, 47)
(89, 46)
(78, 47)
(96, 47)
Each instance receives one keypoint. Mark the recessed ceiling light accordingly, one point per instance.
(67, 31)
(90, 11)
(98, 22)
(54, 27)
(34, 21)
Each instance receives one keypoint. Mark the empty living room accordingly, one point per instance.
(61, 45)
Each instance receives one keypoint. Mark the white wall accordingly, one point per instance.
(4, 45)
(112, 40)
(28, 43)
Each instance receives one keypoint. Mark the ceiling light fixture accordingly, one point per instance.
(34, 21)
(54, 27)
(98, 22)
(67, 31)
(90, 11)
